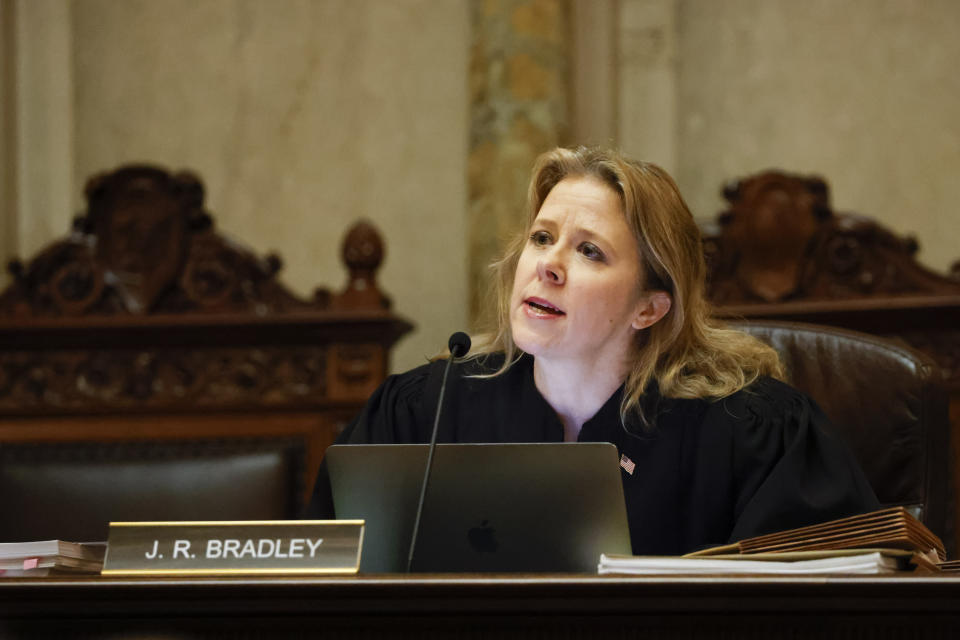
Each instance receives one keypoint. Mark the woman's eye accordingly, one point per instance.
(591, 251)
(540, 237)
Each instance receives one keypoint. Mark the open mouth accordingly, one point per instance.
(542, 306)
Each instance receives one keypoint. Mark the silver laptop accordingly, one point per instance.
(489, 507)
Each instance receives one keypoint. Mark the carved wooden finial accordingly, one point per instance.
(362, 253)
(362, 248)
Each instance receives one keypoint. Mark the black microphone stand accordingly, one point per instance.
(459, 345)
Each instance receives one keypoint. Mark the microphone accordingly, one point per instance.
(459, 345)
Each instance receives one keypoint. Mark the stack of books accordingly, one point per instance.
(50, 557)
(892, 528)
(885, 541)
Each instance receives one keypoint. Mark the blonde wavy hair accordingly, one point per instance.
(688, 353)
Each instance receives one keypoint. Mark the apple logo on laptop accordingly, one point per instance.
(483, 538)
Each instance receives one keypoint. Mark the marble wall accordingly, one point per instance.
(863, 92)
(301, 117)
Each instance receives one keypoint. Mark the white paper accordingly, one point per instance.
(867, 563)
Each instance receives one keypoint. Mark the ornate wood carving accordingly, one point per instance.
(146, 315)
(81, 381)
(146, 245)
(780, 240)
(181, 316)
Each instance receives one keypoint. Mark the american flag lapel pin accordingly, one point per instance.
(627, 464)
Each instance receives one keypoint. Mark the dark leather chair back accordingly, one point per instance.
(888, 403)
(72, 491)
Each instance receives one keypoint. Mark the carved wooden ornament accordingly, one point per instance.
(780, 240)
(146, 245)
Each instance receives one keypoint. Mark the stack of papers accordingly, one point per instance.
(884, 541)
(50, 557)
(859, 561)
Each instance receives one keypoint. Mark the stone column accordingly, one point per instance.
(36, 143)
(646, 79)
(8, 194)
(594, 74)
(518, 109)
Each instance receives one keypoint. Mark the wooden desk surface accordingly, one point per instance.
(478, 606)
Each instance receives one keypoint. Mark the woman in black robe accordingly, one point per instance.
(602, 333)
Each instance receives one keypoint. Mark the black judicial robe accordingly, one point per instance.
(705, 472)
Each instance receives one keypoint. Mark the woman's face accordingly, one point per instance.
(577, 290)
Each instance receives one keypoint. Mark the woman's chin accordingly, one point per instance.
(531, 342)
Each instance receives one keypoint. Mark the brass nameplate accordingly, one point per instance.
(281, 547)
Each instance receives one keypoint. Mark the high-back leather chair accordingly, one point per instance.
(887, 402)
(73, 490)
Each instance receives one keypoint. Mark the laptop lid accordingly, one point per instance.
(489, 507)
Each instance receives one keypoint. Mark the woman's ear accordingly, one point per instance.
(651, 308)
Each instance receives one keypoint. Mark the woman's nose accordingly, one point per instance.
(550, 269)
